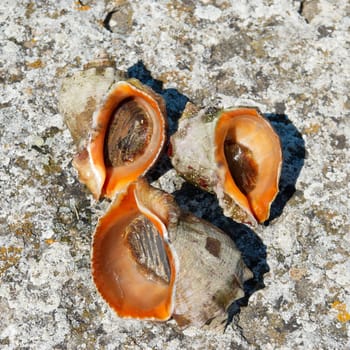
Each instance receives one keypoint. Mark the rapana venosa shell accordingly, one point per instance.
(234, 153)
(118, 125)
(151, 261)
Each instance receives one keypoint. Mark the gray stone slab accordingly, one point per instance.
(289, 58)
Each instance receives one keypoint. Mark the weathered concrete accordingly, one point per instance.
(289, 58)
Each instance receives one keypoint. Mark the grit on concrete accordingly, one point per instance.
(289, 58)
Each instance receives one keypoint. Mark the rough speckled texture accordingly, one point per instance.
(289, 58)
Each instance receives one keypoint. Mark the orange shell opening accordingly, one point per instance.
(115, 179)
(115, 272)
(248, 128)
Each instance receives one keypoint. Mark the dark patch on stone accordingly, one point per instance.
(262, 82)
(338, 141)
(42, 150)
(213, 246)
(280, 107)
(236, 45)
(324, 31)
(5, 105)
(229, 86)
(292, 324)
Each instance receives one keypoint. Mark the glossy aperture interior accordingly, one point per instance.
(250, 150)
(130, 133)
(132, 264)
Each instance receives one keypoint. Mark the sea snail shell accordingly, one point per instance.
(234, 153)
(151, 261)
(118, 126)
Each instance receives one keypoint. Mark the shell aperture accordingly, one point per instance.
(128, 134)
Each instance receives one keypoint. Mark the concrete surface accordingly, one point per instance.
(289, 58)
